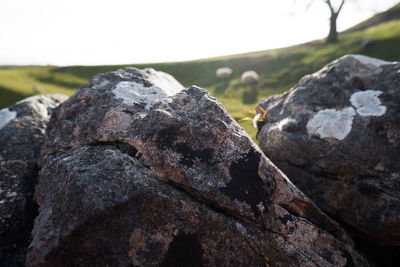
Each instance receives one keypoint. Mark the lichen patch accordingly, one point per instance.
(283, 124)
(331, 123)
(163, 86)
(6, 116)
(361, 66)
(164, 80)
(370, 61)
(367, 103)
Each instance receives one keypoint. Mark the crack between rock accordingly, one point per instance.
(209, 203)
(221, 211)
(293, 213)
(201, 201)
(132, 152)
(124, 148)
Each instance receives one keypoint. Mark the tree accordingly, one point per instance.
(332, 36)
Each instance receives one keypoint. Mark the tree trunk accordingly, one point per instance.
(332, 37)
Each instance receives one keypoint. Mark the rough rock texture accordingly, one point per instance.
(22, 128)
(336, 135)
(128, 183)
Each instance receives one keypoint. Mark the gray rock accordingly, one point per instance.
(22, 128)
(336, 135)
(109, 211)
(161, 179)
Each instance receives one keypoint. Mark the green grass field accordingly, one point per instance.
(279, 70)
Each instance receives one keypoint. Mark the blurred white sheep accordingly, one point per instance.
(249, 77)
(223, 73)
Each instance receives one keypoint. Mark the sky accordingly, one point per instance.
(95, 32)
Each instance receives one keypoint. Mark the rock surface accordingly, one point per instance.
(336, 135)
(131, 182)
(22, 129)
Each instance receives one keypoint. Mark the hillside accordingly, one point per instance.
(279, 69)
(389, 15)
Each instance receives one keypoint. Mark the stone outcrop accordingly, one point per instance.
(137, 171)
(22, 129)
(336, 135)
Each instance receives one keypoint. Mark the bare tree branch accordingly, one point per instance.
(328, 2)
(309, 5)
(340, 8)
(332, 36)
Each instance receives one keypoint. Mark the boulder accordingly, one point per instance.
(336, 135)
(249, 77)
(137, 171)
(22, 129)
(224, 73)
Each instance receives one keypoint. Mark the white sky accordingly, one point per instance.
(90, 32)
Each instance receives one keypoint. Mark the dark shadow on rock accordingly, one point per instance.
(184, 250)
(377, 255)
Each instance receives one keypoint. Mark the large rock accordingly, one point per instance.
(22, 129)
(137, 171)
(336, 135)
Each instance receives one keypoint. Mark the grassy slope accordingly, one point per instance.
(279, 69)
(388, 15)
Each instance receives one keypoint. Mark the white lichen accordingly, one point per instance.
(360, 65)
(164, 81)
(6, 116)
(285, 122)
(38, 104)
(367, 103)
(101, 85)
(331, 123)
(370, 60)
(164, 85)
